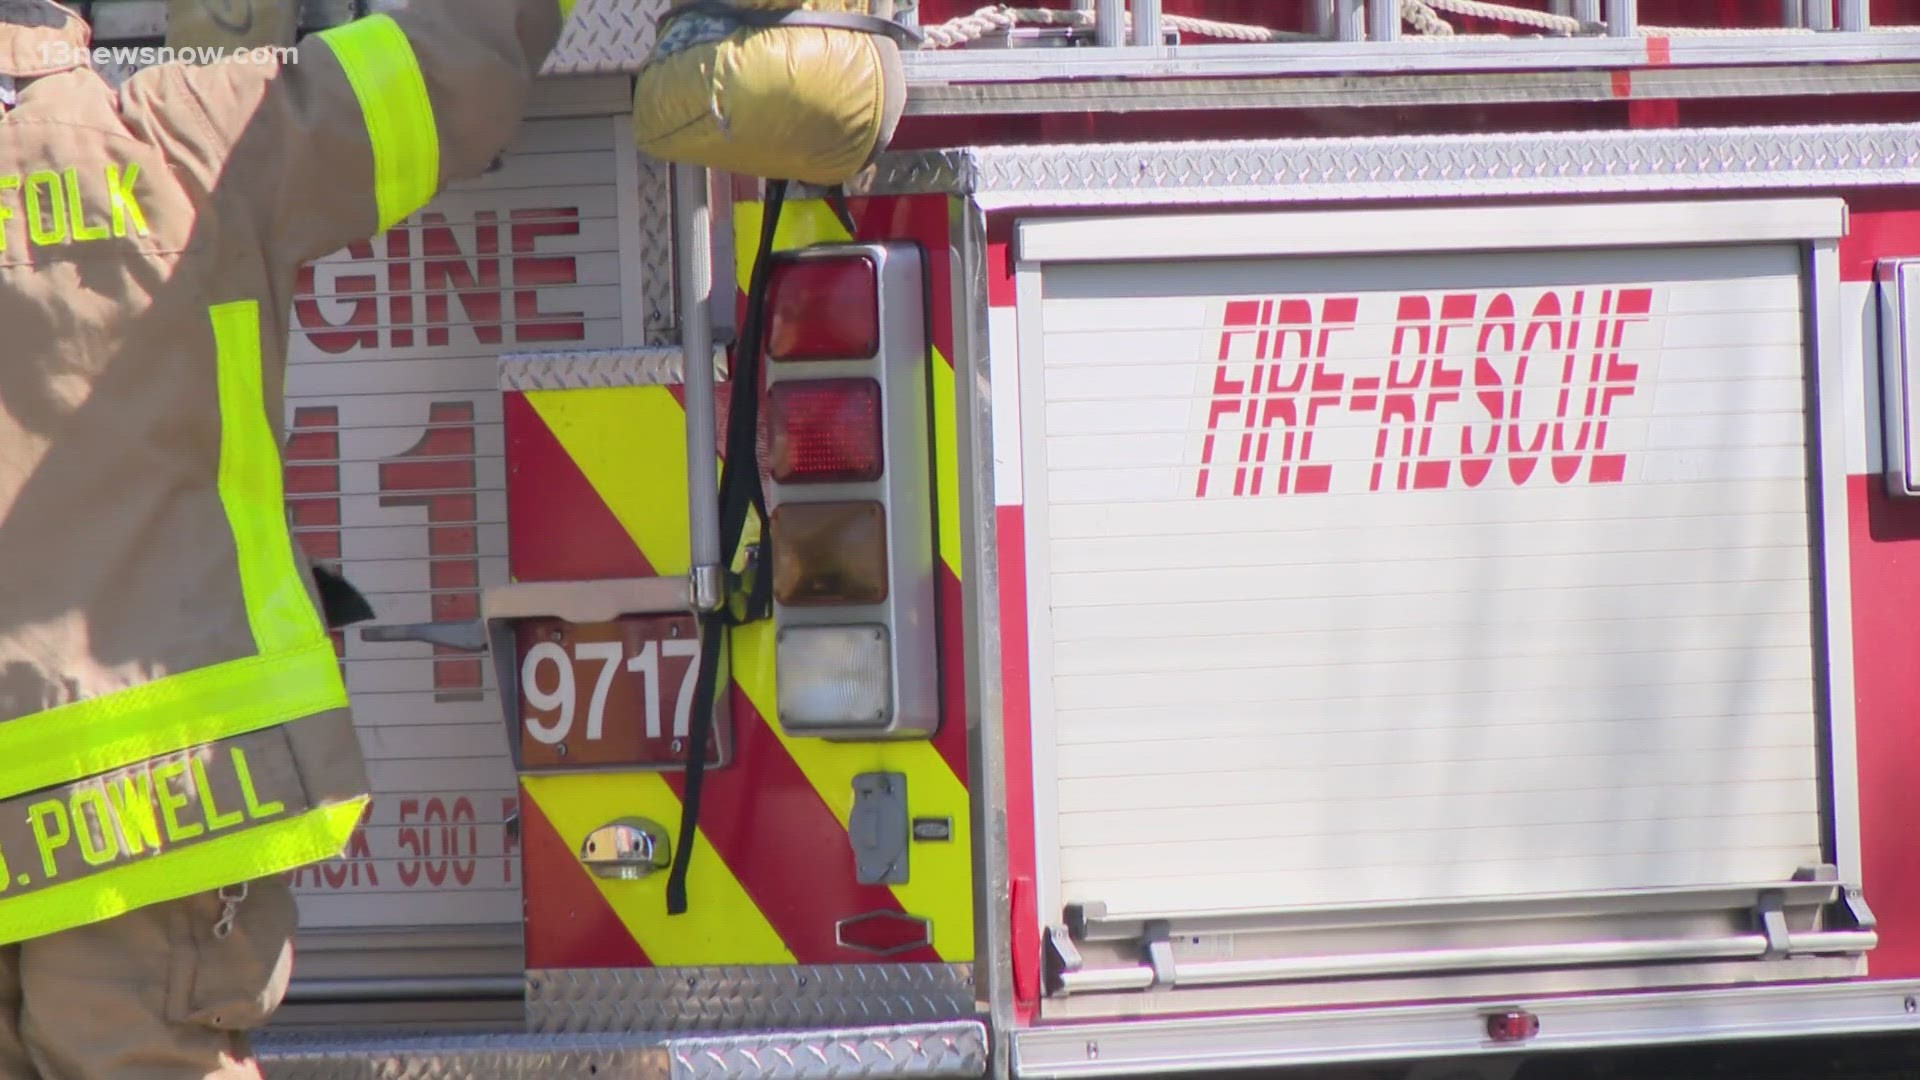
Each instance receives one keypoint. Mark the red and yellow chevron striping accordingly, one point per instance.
(597, 488)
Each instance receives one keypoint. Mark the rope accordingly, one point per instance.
(968, 28)
(1480, 9)
(1231, 31)
(1423, 18)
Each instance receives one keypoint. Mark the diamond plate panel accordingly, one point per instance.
(924, 1052)
(458, 1057)
(1324, 170)
(588, 369)
(924, 172)
(743, 998)
(955, 1050)
(606, 37)
(654, 196)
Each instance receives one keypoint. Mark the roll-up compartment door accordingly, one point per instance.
(1424, 579)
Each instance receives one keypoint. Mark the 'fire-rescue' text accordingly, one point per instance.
(1283, 366)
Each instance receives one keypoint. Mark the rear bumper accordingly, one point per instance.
(1606, 1023)
(950, 1049)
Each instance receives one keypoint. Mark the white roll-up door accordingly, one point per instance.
(1410, 578)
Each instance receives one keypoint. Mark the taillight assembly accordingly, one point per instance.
(851, 540)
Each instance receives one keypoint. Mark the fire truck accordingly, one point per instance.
(1297, 533)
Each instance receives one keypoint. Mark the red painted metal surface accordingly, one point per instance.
(1885, 544)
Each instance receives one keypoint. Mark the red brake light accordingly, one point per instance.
(824, 309)
(825, 430)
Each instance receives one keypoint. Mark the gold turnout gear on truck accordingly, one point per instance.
(782, 89)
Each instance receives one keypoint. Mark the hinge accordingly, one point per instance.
(1059, 958)
(1158, 942)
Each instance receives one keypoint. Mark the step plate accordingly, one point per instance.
(957, 1049)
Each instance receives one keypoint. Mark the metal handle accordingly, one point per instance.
(574, 601)
(693, 265)
(1228, 972)
(470, 635)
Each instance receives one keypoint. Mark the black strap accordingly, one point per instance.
(740, 490)
(842, 210)
(769, 17)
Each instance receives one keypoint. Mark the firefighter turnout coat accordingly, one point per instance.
(173, 717)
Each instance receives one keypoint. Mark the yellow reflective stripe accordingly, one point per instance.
(278, 606)
(605, 431)
(201, 706)
(946, 452)
(386, 78)
(257, 852)
(566, 10)
(724, 926)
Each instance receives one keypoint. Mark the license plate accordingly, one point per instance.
(612, 695)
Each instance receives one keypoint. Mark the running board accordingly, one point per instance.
(933, 1051)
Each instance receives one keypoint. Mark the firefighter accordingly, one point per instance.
(175, 737)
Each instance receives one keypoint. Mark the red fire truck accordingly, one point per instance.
(1322, 533)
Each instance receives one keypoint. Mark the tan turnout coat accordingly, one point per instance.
(150, 237)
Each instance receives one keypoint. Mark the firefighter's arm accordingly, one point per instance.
(361, 125)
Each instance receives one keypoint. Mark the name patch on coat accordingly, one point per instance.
(105, 822)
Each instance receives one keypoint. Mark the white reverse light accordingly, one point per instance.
(835, 677)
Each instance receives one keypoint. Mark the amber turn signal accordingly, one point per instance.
(830, 553)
